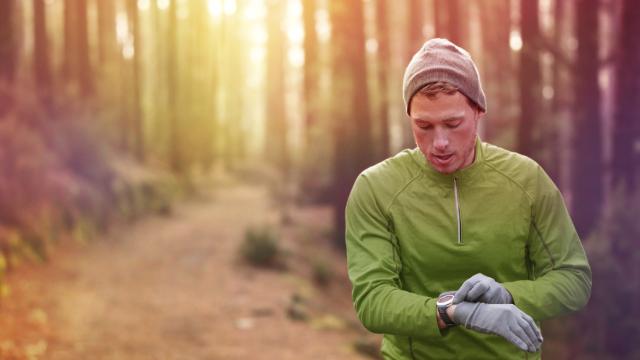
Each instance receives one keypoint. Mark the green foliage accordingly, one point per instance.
(368, 347)
(139, 191)
(610, 321)
(261, 248)
(83, 230)
(298, 308)
(322, 273)
(59, 177)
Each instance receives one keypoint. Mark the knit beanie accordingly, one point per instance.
(441, 60)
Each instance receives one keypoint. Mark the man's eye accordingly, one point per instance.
(425, 127)
(453, 125)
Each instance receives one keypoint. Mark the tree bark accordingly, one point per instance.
(77, 65)
(82, 51)
(310, 67)
(587, 140)
(136, 115)
(8, 54)
(626, 156)
(558, 27)
(70, 40)
(441, 18)
(530, 75)
(384, 64)
(41, 65)
(175, 146)
(415, 41)
(276, 116)
(107, 45)
(458, 22)
(496, 63)
(351, 104)
(557, 84)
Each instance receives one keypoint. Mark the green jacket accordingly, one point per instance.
(413, 233)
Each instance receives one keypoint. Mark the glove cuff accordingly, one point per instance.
(509, 297)
(464, 311)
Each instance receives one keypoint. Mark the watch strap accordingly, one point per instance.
(442, 310)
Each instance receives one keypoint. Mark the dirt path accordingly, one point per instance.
(173, 288)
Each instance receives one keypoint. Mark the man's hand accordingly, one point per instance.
(482, 288)
(505, 320)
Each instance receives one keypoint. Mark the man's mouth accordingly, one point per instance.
(442, 159)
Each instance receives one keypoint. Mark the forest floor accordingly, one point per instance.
(174, 287)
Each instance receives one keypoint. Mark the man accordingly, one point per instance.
(458, 249)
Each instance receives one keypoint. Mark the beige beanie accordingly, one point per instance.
(441, 60)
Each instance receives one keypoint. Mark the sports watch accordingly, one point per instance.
(443, 303)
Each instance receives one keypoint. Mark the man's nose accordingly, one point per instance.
(440, 141)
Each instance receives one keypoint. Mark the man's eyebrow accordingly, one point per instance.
(448, 119)
(453, 118)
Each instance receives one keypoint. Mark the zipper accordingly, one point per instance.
(455, 193)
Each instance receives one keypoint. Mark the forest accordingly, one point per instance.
(123, 116)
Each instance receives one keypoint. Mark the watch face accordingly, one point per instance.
(445, 300)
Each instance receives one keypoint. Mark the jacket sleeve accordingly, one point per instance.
(374, 267)
(560, 275)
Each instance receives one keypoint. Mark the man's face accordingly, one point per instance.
(445, 129)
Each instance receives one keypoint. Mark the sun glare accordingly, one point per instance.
(254, 11)
(295, 31)
(515, 41)
(163, 4)
(323, 25)
(229, 7)
(296, 56)
(215, 8)
(144, 5)
(122, 28)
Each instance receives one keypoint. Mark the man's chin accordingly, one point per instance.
(445, 170)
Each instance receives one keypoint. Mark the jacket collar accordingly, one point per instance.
(462, 174)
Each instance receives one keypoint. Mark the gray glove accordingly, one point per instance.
(505, 320)
(482, 288)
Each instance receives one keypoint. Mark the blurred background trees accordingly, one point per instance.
(96, 96)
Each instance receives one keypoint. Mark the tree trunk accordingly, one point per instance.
(441, 18)
(175, 146)
(136, 114)
(415, 23)
(203, 94)
(82, 51)
(70, 40)
(351, 104)
(8, 54)
(77, 66)
(555, 137)
(496, 63)
(216, 127)
(626, 157)
(384, 64)
(41, 67)
(588, 149)
(558, 30)
(107, 45)
(310, 67)
(458, 22)
(276, 145)
(530, 77)
(415, 41)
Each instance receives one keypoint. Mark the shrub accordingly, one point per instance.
(322, 272)
(261, 248)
